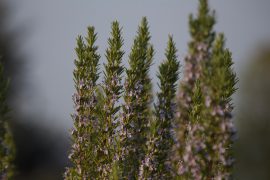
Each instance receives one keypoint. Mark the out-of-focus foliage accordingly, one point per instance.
(253, 118)
(189, 112)
(205, 130)
(7, 149)
(41, 152)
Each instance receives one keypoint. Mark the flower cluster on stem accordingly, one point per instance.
(219, 86)
(202, 34)
(191, 163)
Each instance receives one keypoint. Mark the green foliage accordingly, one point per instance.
(218, 72)
(220, 81)
(192, 160)
(7, 149)
(112, 92)
(155, 164)
(202, 36)
(205, 129)
(201, 27)
(86, 133)
(201, 30)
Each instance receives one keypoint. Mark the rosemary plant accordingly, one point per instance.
(204, 141)
(190, 137)
(220, 81)
(137, 97)
(112, 88)
(86, 134)
(156, 163)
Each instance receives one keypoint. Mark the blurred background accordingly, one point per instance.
(37, 40)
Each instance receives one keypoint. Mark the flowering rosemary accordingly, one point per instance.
(191, 138)
(220, 83)
(191, 163)
(86, 133)
(203, 146)
(155, 164)
(137, 97)
(112, 92)
(201, 30)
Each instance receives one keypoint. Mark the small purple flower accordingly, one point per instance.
(138, 87)
(162, 114)
(81, 84)
(207, 101)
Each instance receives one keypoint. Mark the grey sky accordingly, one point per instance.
(55, 24)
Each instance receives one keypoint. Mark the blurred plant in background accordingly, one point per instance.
(7, 149)
(253, 117)
(190, 123)
(41, 152)
(220, 81)
(205, 129)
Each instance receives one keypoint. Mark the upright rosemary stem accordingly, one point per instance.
(86, 134)
(113, 89)
(156, 162)
(137, 97)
